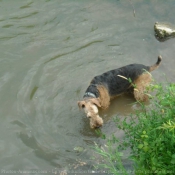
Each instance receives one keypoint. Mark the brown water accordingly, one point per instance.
(49, 52)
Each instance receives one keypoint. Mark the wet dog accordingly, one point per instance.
(133, 78)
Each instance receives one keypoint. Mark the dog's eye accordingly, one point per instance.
(83, 106)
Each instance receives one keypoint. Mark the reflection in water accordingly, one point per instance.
(40, 150)
(49, 53)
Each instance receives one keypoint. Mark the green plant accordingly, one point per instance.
(150, 134)
(112, 157)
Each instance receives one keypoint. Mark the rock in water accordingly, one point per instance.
(163, 31)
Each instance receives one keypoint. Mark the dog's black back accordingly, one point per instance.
(116, 84)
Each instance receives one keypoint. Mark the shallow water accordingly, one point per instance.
(50, 50)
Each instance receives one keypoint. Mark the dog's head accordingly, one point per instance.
(90, 107)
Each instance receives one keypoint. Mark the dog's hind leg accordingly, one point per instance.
(141, 84)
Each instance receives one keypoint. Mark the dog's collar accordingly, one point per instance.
(90, 94)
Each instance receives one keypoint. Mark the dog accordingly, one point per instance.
(134, 78)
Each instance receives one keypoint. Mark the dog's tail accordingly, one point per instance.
(156, 65)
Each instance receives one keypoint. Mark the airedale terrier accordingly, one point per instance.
(131, 78)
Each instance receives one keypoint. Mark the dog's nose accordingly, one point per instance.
(97, 125)
(88, 116)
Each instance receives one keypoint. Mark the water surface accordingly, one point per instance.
(49, 52)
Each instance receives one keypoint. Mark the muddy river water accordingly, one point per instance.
(49, 52)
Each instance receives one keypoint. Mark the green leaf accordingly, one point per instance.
(120, 154)
(129, 79)
(173, 161)
(145, 143)
(153, 168)
(140, 146)
(145, 148)
(144, 132)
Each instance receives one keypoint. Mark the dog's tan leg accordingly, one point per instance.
(141, 83)
(104, 97)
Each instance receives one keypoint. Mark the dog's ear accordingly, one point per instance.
(81, 104)
(96, 102)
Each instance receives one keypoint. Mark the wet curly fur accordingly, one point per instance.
(103, 88)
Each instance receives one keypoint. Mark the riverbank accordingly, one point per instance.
(150, 135)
